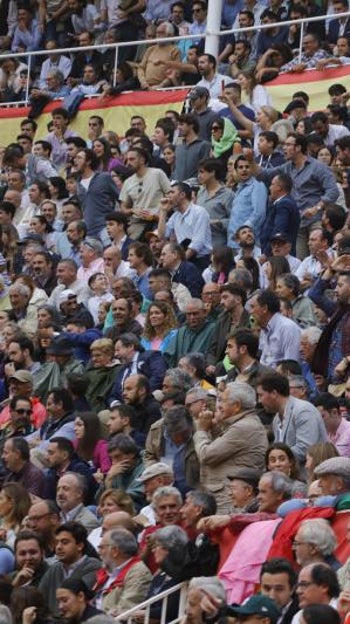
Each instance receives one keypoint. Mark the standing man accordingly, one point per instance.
(211, 80)
(57, 137)
(279, 336)
(142, 192)
(199, 100)
(314, 185)
(249, 203)
(242, 443)
(189, 154)
(297, 423)
(282, 215)
(98, 194)
(189, 224)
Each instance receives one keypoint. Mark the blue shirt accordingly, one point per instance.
(248, 208)
(193, 225)
(279, 340)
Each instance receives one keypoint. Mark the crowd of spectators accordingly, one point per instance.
(174, 317)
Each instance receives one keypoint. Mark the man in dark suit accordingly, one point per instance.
(282, 215)
(339, 27)
(182, 271)
(135, 361)
(277, 580)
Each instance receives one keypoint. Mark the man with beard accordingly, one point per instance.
(29, 557)
(44, 272)
(234, 316)
(246, 241)
(137, 393)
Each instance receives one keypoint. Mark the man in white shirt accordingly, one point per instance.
(213, 81)
(311, 267)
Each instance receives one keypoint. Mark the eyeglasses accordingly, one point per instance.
(214, 128)
(21, 411)
(304, 584)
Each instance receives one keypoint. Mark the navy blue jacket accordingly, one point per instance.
(188, 275)
(149, 363)
(333, 30)
(282, 216)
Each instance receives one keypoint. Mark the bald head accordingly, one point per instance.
(118, 519)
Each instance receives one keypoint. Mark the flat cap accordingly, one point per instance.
(339, 466)
(249, 475)
(160, 468)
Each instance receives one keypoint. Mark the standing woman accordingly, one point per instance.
(102, 149)
(216, 198)
(255, 95)
(272, 269)
(89, 445)
(58, 192)
(224, 135)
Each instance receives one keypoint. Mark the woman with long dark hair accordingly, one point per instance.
(88, 444)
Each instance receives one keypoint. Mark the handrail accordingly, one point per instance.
(162, 596)
(115, 46)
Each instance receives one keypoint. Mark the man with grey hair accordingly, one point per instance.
(196, 401)
(176, 379)
(314, 542)
(170, 439)
(24, 314)
(71, 489)
(274, 488)
(91, 250)
(194, 336)
(124, 581)
(204, 593)
(308, 341)
(242, 443)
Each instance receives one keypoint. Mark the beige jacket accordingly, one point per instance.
(133, 591)
(242, 444)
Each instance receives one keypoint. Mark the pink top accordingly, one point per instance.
(341, 438)
(100, 456)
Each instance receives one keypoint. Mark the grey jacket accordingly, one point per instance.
(54, 577)
(301, 426)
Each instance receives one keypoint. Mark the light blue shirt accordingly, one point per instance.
(193, 224)
(279, 340)
(248, 208)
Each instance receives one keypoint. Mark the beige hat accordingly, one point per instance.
(160, 468)
(23, 376)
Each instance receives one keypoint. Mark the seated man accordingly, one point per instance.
(311, 55)
(16, 458)
(126, 467)
(61, 459)
(71, 542)
(30, 560)
(151, 364)
(171, 439)
(137, 393)
(124, 580)
(71, 490)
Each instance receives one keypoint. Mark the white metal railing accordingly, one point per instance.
(127, 616)
(116, 46)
